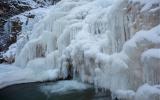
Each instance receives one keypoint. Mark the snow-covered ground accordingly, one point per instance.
(98, 40)
(10, 74)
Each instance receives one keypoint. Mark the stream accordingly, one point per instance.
(62, 90)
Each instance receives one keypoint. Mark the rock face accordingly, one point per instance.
(9, 8)
(141, 18)
(46, 2)
(10, 28)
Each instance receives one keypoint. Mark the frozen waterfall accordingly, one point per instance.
(98, 42)
(85, 34)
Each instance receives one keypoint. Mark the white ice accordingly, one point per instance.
(10, 74)
(64, 86)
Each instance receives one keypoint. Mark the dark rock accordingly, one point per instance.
(43, 3)
(6, 40)
(8, 9)
(11, 8)
(116, 98)
(69, 68)
(2, 60)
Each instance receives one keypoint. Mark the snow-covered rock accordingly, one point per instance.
(17, 16)
(151, 62)
(27, 26)
(147, 92)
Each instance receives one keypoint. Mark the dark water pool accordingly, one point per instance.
(32, 91)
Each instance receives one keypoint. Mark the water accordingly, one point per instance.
(51, 91)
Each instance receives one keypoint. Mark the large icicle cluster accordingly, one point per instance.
(105, 42)
(83, 32)
(27, 26)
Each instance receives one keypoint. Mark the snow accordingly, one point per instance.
(10, 74)
(35, 3)
(32, 3)
(144, 92)
(151, 62)
(155, 9)
(124, 94)
(151, 53)
(147, 92)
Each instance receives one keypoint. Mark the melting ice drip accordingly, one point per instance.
(88, 38)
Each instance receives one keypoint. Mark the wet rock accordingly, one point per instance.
(46, 2)
(140, 19)
(7, 40)
(69, 68)
(9, 8)
(10, 28)
(11, 36)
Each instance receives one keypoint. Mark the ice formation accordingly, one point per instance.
(104, 42)
(26, 29)
(147, 92)
(64, 86)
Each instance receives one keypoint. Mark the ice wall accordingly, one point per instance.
(151, 62)
(27, 26)
(99, 41)
(64, 24)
